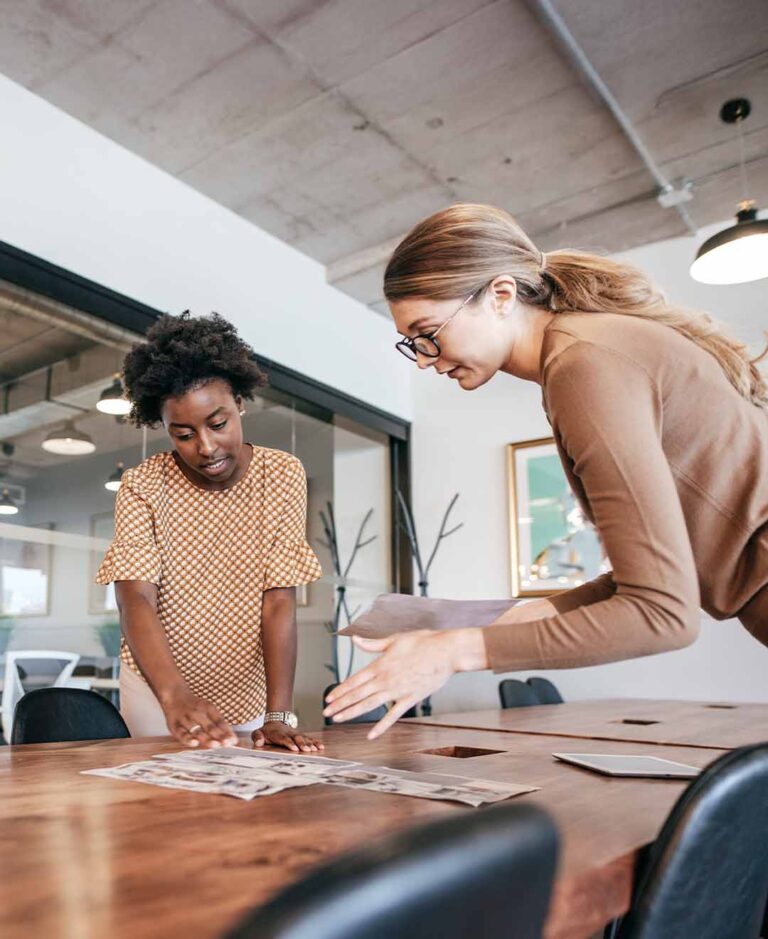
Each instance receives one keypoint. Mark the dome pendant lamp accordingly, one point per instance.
(738, 254)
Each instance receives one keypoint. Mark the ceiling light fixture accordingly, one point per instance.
(112, 400)
(69, 441)
(738, 254)
(7, 505)
(113, 482)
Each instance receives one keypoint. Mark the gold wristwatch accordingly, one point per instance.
(284, 717)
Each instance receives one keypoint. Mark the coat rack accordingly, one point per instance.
(341, 570)
(405, 519)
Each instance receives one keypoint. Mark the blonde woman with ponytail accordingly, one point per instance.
(661, 424)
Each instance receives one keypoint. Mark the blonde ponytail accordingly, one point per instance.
(463, 248)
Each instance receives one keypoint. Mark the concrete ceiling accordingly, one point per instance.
(337, 125)
(54, 364)
(27, 345)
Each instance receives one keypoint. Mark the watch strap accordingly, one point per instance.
(284, 717)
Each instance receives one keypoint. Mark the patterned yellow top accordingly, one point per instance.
(212, 553)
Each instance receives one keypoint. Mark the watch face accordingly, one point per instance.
(291, 720)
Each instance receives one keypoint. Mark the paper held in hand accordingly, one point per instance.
(398, 612)
(247, 774)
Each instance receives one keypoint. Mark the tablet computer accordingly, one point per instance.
(614, 764)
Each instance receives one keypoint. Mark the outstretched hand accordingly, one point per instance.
(411, 666)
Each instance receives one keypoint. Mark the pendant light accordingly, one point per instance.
(7, 505)
(112, 400)
(113, 481)
(69, 441)
(738, 254)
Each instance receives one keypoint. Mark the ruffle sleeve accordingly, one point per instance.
(291, 561)
(133, 554)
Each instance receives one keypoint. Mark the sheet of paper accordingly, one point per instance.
(209, 780)
(285, 765)
(397, 612)
(427, 785)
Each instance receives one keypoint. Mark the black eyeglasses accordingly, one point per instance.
(427, 345)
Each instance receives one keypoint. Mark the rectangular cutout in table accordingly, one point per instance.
(460, 753)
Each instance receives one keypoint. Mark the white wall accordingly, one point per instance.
(459, 441)
(75, 198)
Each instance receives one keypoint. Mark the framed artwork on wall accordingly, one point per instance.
(553, 547)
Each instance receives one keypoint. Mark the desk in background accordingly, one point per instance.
(711, 724)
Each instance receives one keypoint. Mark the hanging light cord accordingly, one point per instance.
(742, 162)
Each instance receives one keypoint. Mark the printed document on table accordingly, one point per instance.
(247, 774)
(284, 764)
(223, 781)
(427, 785)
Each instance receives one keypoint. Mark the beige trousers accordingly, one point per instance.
(142, 712)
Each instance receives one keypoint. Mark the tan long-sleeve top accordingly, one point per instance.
(670, 463)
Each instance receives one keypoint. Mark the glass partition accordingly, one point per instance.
(58, 507)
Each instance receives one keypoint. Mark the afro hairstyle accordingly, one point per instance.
(182, 353)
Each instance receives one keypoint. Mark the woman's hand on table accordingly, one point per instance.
(196, 722)
(411, 667)
(277, 734)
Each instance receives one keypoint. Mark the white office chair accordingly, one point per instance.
(13, 689)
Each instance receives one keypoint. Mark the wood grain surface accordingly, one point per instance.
(85, 857)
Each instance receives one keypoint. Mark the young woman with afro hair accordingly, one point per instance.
(209, 548)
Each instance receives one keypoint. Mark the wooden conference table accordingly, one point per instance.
(85, 857)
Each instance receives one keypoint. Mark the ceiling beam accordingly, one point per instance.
(25, 302)
(361, 260)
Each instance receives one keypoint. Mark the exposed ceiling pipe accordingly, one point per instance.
(668, 195)
(26, 303)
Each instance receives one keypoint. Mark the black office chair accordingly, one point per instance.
(706, 875)
(516, 694)
(545, 691)
(370, 717)
(55, 715)
(484, 873)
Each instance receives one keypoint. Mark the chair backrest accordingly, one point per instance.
(516, 694)
(706, 875)
(370, 717)
(486, 873)
(55, 715)
(545, 691)
(12, 686)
